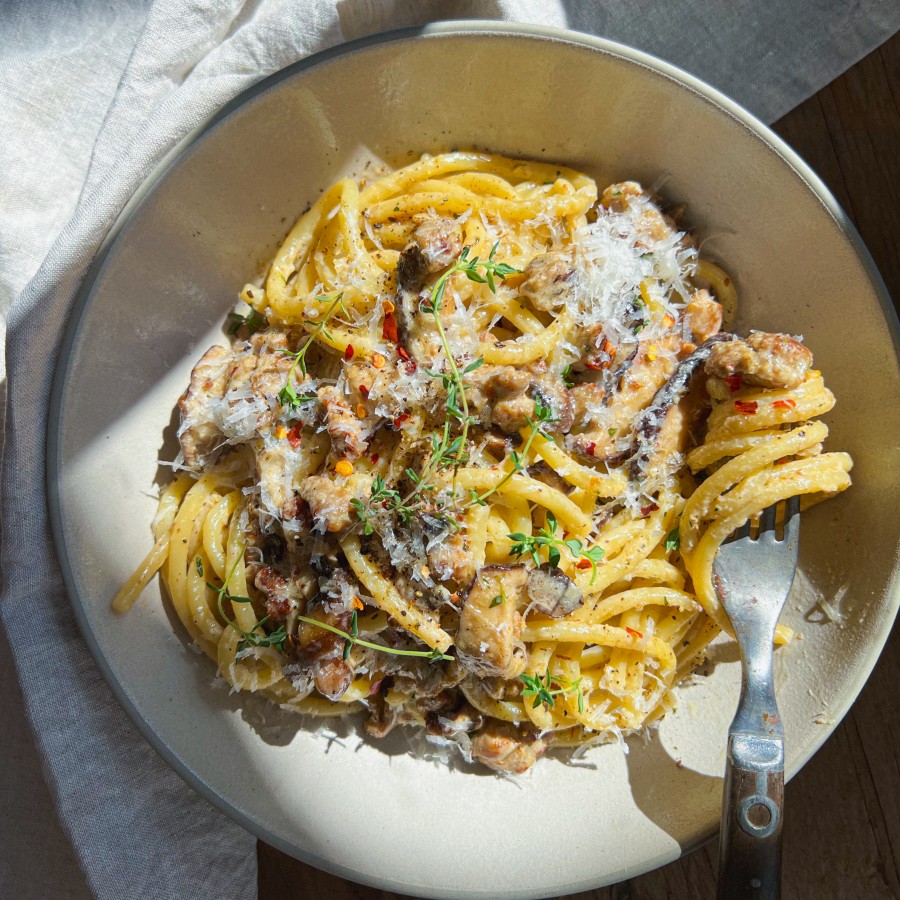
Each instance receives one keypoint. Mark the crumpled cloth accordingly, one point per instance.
(92, 94)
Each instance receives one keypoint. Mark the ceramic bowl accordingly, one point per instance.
(204, 224)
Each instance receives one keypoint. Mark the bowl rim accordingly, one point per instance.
(455, 28)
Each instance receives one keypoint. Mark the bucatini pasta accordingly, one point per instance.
(468, 459)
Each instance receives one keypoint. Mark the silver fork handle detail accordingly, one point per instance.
(750, 839)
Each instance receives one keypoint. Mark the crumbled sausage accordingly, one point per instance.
(329, 499)
(704, 315)
(764, 359)
(505, 748)
(198, 434)
(285, 595)
(548, 280)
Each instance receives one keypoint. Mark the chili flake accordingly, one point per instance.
(784, 404)
(746, 407)
(294, 436)
(400, 420)
(389, 328)
(348, 353)
(364, 391)
(734, 382)
(634, 633)
(650, 508)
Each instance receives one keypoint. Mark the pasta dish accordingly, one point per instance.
(468, 457)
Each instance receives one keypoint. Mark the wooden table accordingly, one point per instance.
(842, 837)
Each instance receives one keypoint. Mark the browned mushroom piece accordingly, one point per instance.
(660, 428)
(552, 592)
(764, 359)
(490, 626)
(505, 748)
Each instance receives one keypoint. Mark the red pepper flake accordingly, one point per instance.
(782, 461)
(634, 633)
(401, 352)
(734, 382)
(590, 447)
(348, 353)
(293, 435)
(650, 508)
(389, 328)
(746, 407)
(593, 366)
(375, 687)
(784, 404)
(583, 563)
(364, 391)
(411, 366)
(374, 457)
(400, 420)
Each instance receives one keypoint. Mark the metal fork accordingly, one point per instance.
(752, 579)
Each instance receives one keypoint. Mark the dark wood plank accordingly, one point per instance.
(842, 837)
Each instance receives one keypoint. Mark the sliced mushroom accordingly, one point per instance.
(552, 592)
(490, 626)
(649, 424)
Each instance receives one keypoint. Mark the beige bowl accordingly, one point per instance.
(158, 294)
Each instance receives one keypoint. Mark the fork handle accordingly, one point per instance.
(750, 839)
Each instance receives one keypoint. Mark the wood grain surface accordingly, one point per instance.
(842, 831)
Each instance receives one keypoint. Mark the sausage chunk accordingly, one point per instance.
(548, 280)
(704, 316)
(490, 625)
(505, 748)
(329, 499)
(767, 360)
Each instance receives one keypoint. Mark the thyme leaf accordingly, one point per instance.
(541, 688)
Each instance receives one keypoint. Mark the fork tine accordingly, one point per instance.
(767, 519)
(742, 532)
(791, 517)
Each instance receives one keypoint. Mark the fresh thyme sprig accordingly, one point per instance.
(387, 498)
(252, 638)
(543, 415)
(352, 638)
(541, 688)
(457, 403)
(288, 395)
(531, 545)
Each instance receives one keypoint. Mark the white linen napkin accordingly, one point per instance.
(92, 95)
